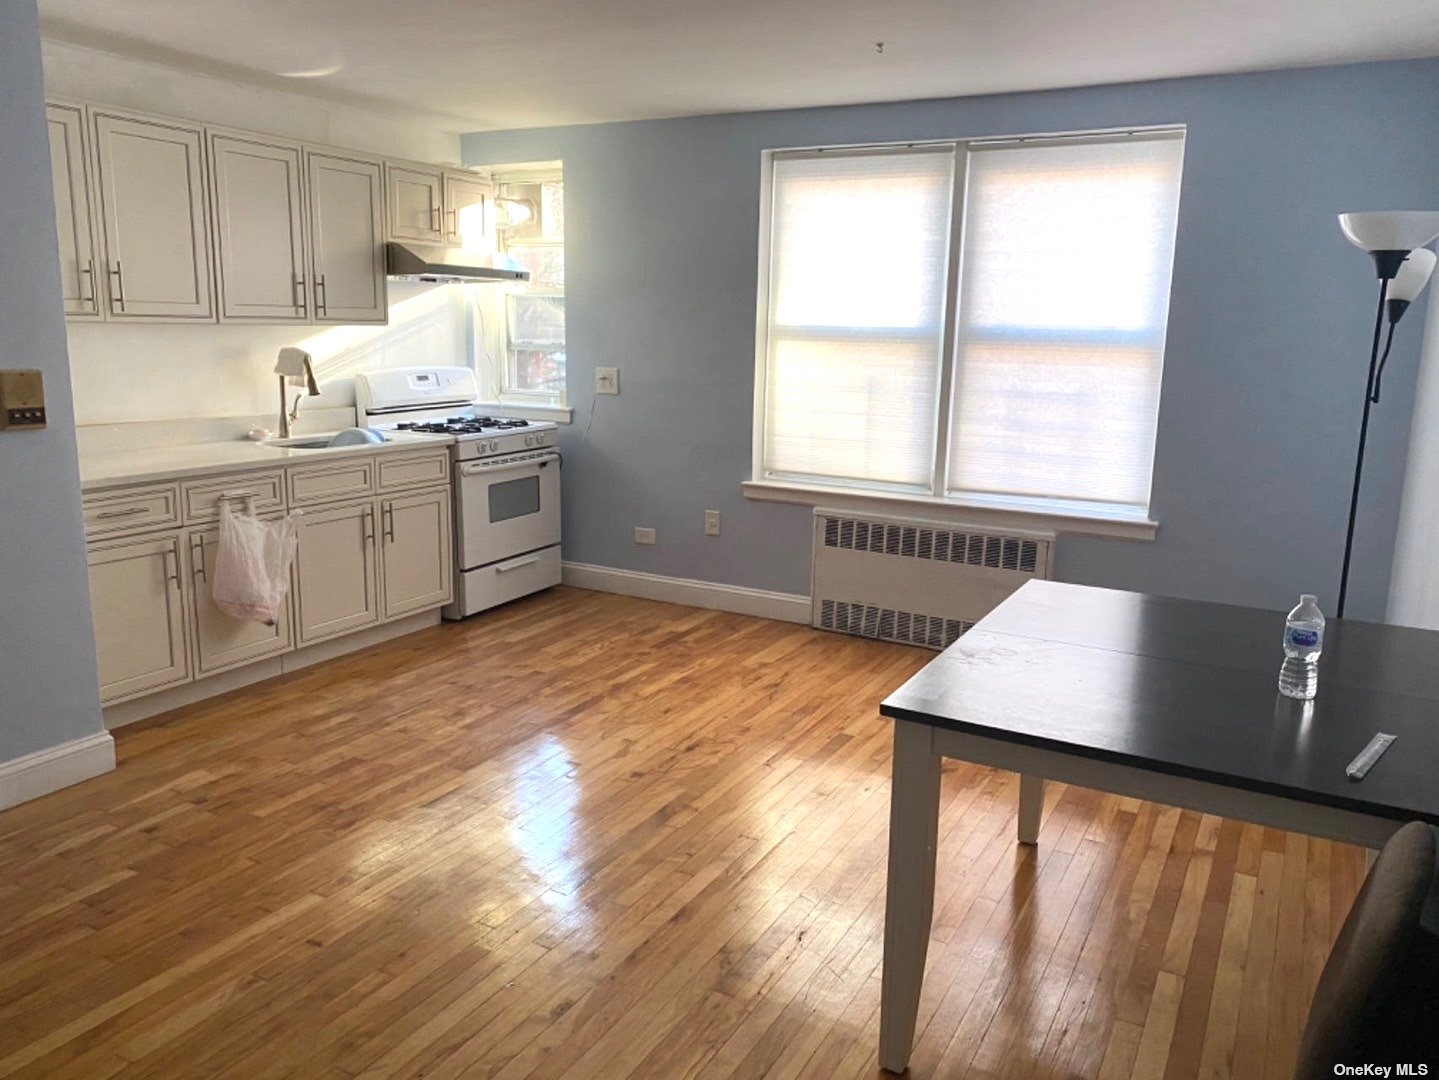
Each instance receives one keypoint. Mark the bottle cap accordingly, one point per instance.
(1308, 596)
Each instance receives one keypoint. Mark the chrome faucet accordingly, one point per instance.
(292, 365)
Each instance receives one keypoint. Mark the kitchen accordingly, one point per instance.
(390, 283)
(726, 540)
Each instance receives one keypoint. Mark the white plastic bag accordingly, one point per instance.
(252, 566)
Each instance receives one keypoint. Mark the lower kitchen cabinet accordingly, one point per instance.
(221, 641)
(375, 546)
(416, 551)
(336, 578)
(139, 610)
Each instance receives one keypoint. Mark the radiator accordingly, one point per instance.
(916, 582)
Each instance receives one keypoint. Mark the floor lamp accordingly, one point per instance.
(1397, 241)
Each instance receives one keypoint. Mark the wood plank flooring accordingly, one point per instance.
(593, 836)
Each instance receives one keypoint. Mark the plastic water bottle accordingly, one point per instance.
(1303, 642)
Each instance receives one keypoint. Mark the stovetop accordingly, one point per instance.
(463, 425)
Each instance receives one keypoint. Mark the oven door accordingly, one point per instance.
(507, 507)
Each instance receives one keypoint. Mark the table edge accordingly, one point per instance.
(1168, 768)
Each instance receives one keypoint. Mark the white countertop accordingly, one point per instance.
(119, 468)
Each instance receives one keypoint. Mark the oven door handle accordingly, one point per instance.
(474, 468)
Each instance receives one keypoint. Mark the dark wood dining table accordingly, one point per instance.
(1174, 701)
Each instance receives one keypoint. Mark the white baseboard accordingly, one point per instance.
(786, 607)
(56, 767)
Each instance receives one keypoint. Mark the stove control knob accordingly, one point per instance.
(494, 446)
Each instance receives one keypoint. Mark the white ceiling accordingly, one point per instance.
(478, 64)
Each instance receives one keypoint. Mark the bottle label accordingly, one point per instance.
(1301, 637)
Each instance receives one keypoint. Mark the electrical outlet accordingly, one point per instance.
(607, 380)
(711, 522)
(644, 536)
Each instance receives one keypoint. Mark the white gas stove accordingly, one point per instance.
(506, 477)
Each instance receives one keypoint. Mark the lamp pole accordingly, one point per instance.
(1363, 436)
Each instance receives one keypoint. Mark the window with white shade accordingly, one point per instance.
(979, 322)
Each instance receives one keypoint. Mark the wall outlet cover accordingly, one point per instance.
(712, 523)
(607, 380)
(644, 536)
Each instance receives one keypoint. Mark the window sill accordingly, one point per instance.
(559, 414)
(1000, 514)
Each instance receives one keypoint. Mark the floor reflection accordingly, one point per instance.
(544, 823)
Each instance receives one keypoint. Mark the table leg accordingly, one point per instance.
(1031, 805)
(909, 897)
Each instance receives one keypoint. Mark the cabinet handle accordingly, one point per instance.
(320, 306)
(167, 555)
(197, 548)
(435, 218)
(89, 271)
(297, 294)
(225, 496)
(390, 524)
(129, 511)
(369, 525)
(119, 277)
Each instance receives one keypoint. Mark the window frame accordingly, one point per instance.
(512, 396)
(975, 508)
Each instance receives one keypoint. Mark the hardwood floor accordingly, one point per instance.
(592, 836)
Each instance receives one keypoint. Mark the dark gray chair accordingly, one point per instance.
(1377, 1001)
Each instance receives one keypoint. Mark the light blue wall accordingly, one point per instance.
(48, 692)
(1268, 331)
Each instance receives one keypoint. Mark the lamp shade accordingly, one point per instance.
(1390, 230)
(1413, 276)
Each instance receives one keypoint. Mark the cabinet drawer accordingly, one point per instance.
(110, 513)
(201, 498)
(325, 483)
(403, 471)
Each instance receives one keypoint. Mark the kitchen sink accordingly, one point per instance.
(319, 442)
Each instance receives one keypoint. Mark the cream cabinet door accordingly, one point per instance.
(415, 538)
(414, 199)
(336, 584)
(152, 209)
(221, 641)
(69, 168)
(139, 613)
(347, 256)
(259, 229)
(466, 204)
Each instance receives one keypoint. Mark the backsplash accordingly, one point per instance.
(125, 373)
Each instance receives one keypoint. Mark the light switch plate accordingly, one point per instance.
(644, 535)
(22, 400)
(607, 380)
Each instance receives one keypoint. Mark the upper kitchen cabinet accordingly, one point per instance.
(415, 207)
(153, 215)
(257, 186)
(73, 220)
(466, 199)
(347, 255)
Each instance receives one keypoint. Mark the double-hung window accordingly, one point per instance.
(521, 335)
(972, 323)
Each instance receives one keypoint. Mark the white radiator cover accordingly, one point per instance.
(914, 581)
